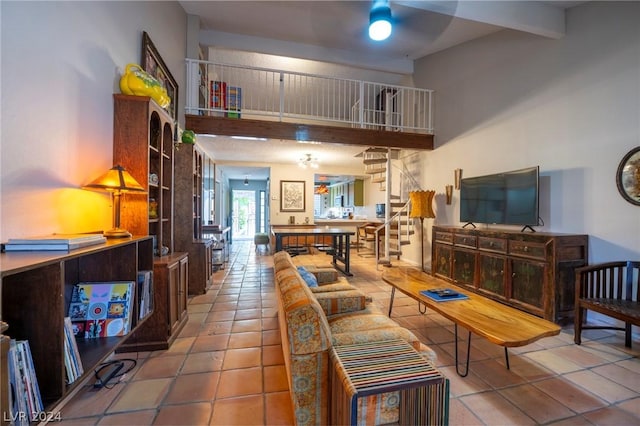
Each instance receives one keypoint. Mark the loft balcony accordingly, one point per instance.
(223, 99)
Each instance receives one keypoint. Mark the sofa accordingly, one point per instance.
(312, 320)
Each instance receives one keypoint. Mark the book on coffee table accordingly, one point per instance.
(443, 294)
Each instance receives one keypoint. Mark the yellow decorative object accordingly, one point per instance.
(136, 81)
(421, 204)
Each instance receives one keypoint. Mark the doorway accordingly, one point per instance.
(243, 207)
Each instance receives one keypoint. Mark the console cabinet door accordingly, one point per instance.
(464, 267)
(528, 281)
(442, 260)
(492, 274)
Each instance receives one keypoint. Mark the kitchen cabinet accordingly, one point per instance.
(530, 271)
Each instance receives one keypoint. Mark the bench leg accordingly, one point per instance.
(506, 357)
(393, 293)
(468, 353)
(627, 334)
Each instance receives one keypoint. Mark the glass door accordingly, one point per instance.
(244, 214)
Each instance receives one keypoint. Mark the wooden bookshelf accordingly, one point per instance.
(36, 291)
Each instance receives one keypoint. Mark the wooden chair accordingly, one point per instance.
(610, 289)
(362, 237)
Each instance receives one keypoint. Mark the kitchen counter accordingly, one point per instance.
(345, 222)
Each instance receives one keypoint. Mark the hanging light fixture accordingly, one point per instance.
(246, 180)
(308, 161)
(380, 20)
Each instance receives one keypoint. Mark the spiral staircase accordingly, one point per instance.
(387, 169)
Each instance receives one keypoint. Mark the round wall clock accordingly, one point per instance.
(628, 176)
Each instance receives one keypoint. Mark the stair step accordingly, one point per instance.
(394, 197)
(378, 180)
(397, 204)
(374, 171)
(374, 161)
(376, 149)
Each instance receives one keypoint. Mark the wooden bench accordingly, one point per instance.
(498, 323)
(610, 289)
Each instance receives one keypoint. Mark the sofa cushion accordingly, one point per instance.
(338, 302)
(308, 277)
(355, 328)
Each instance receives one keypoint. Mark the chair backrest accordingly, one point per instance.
(612, 280)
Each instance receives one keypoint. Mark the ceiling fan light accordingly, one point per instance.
(380, 23)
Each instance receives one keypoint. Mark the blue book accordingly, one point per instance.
(443, 294)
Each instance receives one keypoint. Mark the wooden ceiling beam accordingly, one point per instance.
(310, 132)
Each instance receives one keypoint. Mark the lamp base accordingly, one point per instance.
(117, 233)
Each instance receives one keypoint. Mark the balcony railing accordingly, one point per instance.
(224, 90)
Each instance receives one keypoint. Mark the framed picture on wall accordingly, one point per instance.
(292, 195)
(153, 64)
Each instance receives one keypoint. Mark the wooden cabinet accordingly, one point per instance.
(355, 193)
(171, 277)
(36, 289)
(143, 144)
(530, 271)
(189, 206)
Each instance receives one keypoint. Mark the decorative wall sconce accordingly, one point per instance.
(457, 177)
(449, 193)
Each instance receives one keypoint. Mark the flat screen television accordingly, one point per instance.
(508, 198)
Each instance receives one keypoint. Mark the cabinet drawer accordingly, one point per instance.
(465, 240)
(444, 237)
(498, 245)
(527, 249)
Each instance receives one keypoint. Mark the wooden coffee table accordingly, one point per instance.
(496, 322)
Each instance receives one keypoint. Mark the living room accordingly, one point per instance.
(505, 101)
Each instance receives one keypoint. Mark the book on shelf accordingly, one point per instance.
(145, 285)
(443, 294)
(72, 360)
(54, 242)
(25, 401)
(101, 309)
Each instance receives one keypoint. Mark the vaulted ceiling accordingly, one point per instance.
(336, 31)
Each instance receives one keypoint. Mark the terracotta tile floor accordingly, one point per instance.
(227, 367)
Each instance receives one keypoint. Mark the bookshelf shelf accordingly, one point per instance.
(36, 289)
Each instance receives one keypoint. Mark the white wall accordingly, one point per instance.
(61, 63)
(571, 106)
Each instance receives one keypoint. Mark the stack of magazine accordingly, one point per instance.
(25, 401)
(54, 242)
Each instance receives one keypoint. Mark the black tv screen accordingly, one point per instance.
(509, 198)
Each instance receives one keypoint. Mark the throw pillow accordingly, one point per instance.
(308, 277)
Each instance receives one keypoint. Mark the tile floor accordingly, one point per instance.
(227, 368)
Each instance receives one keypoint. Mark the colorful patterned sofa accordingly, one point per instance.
(311, 320)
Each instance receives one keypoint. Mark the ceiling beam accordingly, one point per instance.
(207, 125)
(533, 17)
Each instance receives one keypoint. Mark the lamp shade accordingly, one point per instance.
(421, 202)
(116, 179)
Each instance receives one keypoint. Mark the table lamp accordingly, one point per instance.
(117, 181)
(421, 208)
